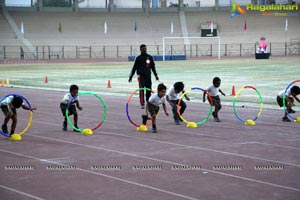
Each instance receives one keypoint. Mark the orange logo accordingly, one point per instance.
(237, 10)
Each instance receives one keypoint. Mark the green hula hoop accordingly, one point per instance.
(86, 93)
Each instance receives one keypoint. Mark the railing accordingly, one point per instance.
(123, 51)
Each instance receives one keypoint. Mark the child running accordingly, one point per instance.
(213, 91)
(72, 108)
(152, 106)
(173, 98)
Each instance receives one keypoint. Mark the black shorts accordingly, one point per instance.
(72, 109)
(4, 109)
(215, 100)
(153, 110)
(280, 100)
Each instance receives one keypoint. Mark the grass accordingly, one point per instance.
(268, 76)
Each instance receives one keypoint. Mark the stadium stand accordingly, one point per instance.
(84, 29)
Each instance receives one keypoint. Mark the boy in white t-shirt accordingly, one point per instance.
(289, 100)
(72, 109)
(152, 106)
(9, 107)
(213, 91)
(173, 98)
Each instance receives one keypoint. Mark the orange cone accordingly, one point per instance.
(46, 79)
(108, 84)
(2, 83)
(233, 91)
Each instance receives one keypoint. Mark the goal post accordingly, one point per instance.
(216, 39)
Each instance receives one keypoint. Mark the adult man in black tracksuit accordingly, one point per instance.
(143, 65)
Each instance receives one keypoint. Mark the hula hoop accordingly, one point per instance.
(234, 102)
(127, 106)
(86, 93)
(210, 102)
(283, 99)
(30, 115)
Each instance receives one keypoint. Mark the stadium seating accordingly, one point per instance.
(85, 29)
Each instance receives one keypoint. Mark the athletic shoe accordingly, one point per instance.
(286, 119)
(142, 106)
(291, 111)
(75, 129)
(177, 122)
(145, 118)
(4, 129)
(154, 130)
(217, 119)
(65, 126)
(214, 115)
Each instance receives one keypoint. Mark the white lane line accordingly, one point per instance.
(168, 162)
(61, 160)
(65, 158)
(107, 176)
(204, 149)
(182, 145)
(268, 144)
(20, 192)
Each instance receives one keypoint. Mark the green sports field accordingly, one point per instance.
(268, 76)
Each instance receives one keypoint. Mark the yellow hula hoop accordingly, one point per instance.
(28, 125)
(185, 92)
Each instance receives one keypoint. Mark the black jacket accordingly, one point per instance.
(143, 65)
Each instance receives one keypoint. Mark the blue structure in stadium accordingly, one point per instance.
(160, 57)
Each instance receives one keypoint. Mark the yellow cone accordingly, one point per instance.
(142, 128)
(15, 137)
(297, 120)
(250, 122)
(87, 131)
(7, 81)
(191, 125)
